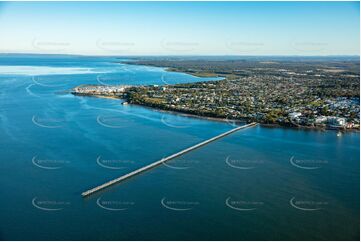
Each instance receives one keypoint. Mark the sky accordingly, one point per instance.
(180, 28)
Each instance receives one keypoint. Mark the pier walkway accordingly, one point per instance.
(159, 162)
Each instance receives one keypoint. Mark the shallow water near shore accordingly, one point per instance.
(257, 184)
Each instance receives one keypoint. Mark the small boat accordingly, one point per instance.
(339, 133)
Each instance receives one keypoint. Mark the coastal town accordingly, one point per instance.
(293, 97)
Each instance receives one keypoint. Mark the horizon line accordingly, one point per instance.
(186, 55)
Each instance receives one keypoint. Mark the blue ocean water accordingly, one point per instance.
(257, 184)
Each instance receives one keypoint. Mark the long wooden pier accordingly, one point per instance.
(159, 162)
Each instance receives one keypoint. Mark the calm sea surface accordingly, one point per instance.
(257, 184)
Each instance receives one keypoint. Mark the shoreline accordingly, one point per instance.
(183, 114)
(231, 122)
(189, 115)
(323, 129)
(173, 69)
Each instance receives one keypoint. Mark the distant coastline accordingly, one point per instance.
(175, 69)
